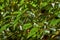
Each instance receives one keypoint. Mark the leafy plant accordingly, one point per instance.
(29, 20)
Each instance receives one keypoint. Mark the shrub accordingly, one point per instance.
(29, 20)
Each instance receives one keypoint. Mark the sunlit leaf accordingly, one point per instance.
(27, 26)
(54, 22)
(4, 27)
(43, 4)
(32, 32)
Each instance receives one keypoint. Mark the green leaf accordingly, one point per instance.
(54, 22)
(41, 34)
(34, 35)
(32, 32)
(15, 12)
(7, 17)
(1, 7)
(43, 4)
(17, 19)
(33, 4)
(21, 2)
(27, 26)
(4, 27)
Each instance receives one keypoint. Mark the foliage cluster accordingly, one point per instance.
(29, 19)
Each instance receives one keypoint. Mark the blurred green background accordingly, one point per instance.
(29, 19)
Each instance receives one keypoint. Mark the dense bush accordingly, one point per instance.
(29, 19)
